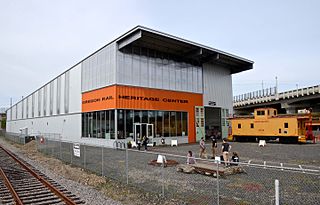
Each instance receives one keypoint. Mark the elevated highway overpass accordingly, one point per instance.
(286, 102)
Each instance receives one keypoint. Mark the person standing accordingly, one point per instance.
(202, 148)
(145, 142)
(226, 147)
(214, 146)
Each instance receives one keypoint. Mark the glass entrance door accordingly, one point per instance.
(141, 130)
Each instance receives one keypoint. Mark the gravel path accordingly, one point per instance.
(88, 194)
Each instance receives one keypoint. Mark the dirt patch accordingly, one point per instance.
(168, 163)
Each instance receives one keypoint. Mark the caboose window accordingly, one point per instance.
(239, 125)
(286, 125)
(251, 125)
(260, 112)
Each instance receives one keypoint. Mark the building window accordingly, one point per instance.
(101, 124)
(129, 123)
(159, 124)
(286, 125)
(173, 124)
(239, 126)
(121, 124)
(166, 124)
(251, 125)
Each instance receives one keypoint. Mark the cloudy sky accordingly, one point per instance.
(39, 39)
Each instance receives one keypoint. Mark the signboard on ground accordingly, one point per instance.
(76, 149)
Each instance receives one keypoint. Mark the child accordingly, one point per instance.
(190, 158)
(235, 159)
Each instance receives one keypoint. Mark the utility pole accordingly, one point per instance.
(276, 84)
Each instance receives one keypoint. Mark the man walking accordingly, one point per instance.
(226, 147)
(214, 146)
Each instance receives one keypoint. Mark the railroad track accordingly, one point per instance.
(20, 183)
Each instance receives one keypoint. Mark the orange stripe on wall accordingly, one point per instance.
(137, 98)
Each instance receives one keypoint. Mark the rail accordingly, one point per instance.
(58, 193)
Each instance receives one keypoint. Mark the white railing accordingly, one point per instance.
(271, 94)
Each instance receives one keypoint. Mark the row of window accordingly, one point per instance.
(285, 125)
(101, 124)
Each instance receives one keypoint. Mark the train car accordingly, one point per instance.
(266, 124)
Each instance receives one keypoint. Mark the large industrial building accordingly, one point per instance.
(144, 83)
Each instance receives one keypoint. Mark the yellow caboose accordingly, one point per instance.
(266, 124)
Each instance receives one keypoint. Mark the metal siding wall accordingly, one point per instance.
(156, 71)
(62, 107)
(48, 100)
(75, 90)
(99, 69)
(217, 86)
(11, 113)
(35, 103)
(54, 97)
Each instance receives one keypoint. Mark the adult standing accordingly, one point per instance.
(145, 142)
(226, 147)
(214, 146)
(202, 148)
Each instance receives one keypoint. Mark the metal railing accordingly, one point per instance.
(271, 94)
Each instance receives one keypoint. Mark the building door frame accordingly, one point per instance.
(143, 129)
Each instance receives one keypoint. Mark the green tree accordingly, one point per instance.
(3, 123)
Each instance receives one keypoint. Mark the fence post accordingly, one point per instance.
(102, 160)
(276, 183)
(84, 156)
(127, 164)
(162, 176)
(71, 152)
(60, 151)
(218, 186)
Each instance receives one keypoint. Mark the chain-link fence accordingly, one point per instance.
(210, 182)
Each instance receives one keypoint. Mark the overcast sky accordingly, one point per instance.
(40, 39)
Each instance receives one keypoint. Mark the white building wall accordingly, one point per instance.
(54, 101)
(217, 84)
(67, 125)
(62, 107)
(75, 96)
(36, 109)
(29, 104)
(19, 109)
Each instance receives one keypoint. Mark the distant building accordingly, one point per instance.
(144, 83)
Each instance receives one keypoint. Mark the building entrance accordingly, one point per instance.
(141, 130)
(213, 122)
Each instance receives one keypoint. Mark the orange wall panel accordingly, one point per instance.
(137, 98)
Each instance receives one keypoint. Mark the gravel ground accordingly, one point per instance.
(255, 187)
(86, 193)
(300, 154)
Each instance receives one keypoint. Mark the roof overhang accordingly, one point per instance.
(151, 39)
